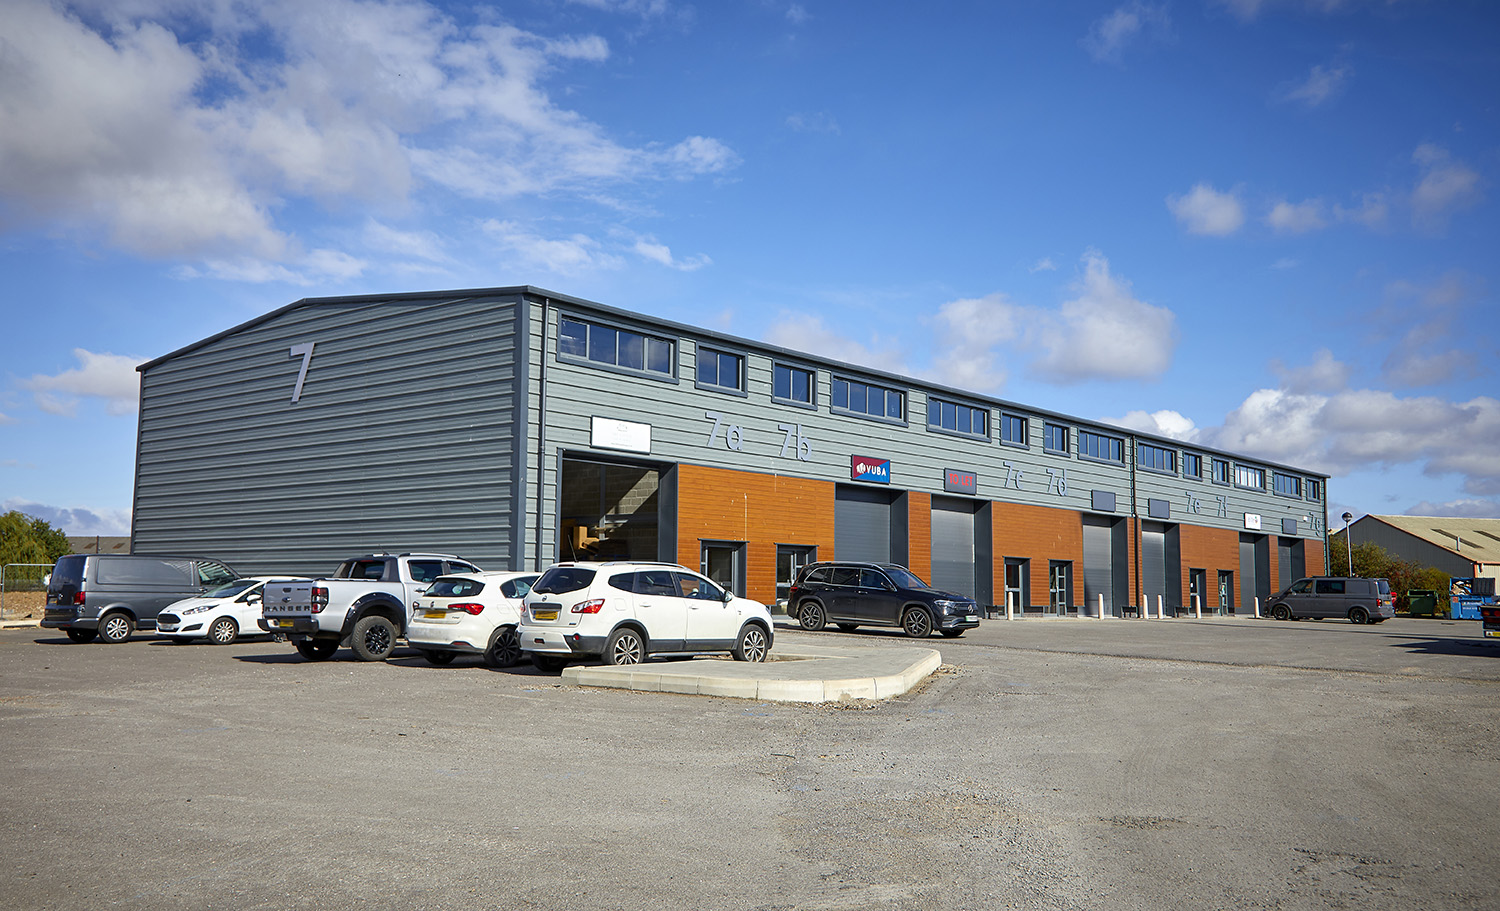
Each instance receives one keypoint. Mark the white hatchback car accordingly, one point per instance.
(222, 616)
(473, 613)
(627, 612)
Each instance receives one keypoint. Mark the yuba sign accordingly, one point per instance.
(865, 468)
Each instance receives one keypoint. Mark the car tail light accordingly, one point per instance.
(78, 597)
(471, 608)
(319, 599)
(589, 607)
(1490, 613)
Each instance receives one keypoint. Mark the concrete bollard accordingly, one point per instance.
(1197, 607)
(1160, 611)
(1257, 608)
(1101, 607)
(1009, 610)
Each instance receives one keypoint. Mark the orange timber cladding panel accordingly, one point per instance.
(764, 510)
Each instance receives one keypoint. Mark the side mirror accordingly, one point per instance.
(728, 596)
(253, 599)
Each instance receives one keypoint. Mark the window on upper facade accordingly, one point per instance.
(1286, 484)
(616, 347)
(1098, 446)
(868, 398)
(792, 384)
(1055, 438)
(1192, 465)
(959, 418)
(1245, 476)
(1013, 430)
(721, 369)
(1221, 471)
(1155, 458)
(1314, 489)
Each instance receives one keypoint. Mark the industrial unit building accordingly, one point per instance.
(517, 427)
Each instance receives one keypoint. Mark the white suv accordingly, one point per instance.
(626, 612)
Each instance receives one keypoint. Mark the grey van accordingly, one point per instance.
(109, 596)
(1335, 598)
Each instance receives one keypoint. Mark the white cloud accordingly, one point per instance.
(1467, 508)
(74, 520)
(1045, 264)
(6, 419)
(643, 8)
(661, 253)
(1297, 218)
(1110, 35)
(1446, 186)
(423, 245)
(972, 333)
(806, 332)
(1321, 85)
(1371, 211)
(1161, 423)
(570, 255)
(1422, 317)
(1325, 374)
(1105, 332)
(109, 377)
(815, 122)
(189, 131)
(1365, 428)
(1205, 210)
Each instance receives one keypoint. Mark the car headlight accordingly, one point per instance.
(947, 607)
(197, 610)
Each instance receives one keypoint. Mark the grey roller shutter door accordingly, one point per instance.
(1247, 575)
(862, 525)
(1098, 565)
(1153, 562)
(953, 545)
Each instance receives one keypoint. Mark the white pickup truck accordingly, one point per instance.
(364, 605)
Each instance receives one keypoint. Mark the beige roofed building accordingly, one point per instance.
(1459, 547)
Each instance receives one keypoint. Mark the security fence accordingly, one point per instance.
(24, 585)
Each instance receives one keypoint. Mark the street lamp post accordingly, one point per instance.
(1349, 542)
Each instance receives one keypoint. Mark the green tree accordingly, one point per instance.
(1371, 561)
(25, 539)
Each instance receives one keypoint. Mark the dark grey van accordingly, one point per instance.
(110, 597)
(1335, 598)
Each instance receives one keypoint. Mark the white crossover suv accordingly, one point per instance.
(472, 613)
(627, 612)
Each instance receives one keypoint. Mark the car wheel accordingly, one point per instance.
(548, 664)
(752, 644)
(917, 623)
(316, 649)
(848, 627)
(374, 638)
(505, 648)
(83, 635)
(625, 646)
(1359, 615)
(1281, 612)
(952, 633)
(810, 616)
(224, 631)
(115, 628)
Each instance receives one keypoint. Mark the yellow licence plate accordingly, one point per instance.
(549, 614)
(435, 614)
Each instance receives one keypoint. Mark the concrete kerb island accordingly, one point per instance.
(805, 673)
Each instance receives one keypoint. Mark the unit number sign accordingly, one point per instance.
(732, 436)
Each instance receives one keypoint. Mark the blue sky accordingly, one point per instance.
(1267, 226)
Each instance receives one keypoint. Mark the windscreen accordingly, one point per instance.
(446, 587)
(234, 588)
(559, 580)
(67, 573)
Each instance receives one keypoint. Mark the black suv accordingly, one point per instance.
(855, 594)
